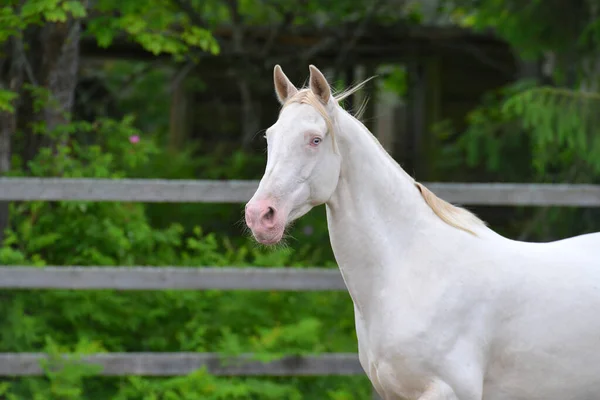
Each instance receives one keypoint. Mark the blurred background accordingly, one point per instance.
(466, 91)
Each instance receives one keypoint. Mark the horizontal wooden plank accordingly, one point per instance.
(177, 364)
(143, 190)
(236, 191)
(513, 194)
(164, 278)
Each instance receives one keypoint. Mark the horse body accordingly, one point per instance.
(491, 327)
(445, 308)
(545, 339)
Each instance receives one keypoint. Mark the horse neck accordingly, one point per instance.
(372, 187)
(375, 211)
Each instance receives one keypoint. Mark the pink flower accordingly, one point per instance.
(134, 139)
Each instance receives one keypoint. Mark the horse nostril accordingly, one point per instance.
(270, 214)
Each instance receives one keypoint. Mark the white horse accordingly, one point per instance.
(445, 308)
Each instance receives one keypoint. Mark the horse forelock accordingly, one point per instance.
(306, 96)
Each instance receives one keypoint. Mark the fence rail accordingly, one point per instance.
(166, 278)
(176, 364)
(223, 278)
(237, 191)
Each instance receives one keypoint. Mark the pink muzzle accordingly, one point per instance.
(264, 220)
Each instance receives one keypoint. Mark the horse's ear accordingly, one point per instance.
(284, 88)
(319, 85)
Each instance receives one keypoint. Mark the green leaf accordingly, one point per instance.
(76, 8)
(6, 100)
(55, 15)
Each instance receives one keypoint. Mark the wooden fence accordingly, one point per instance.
(223, 278)
(203, 191)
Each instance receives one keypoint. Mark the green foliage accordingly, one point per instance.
(563, 123)
(269, 324)
(16, 16)
(493, 135)
(532, 27)
(311, 12)
(529, 131)
(394, 79)
(158, 26)
(201, 386)
(6, 100)
(557, 129)
(131, 84)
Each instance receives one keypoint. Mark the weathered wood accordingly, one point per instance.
(146, 190)
(166, 278)
(237, 191)
(514, 194)
(176, 364)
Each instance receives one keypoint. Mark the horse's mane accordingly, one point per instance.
(452, 215)
(457, 217)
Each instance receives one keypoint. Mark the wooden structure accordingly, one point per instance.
(449, 69)
(211, 191)
(210, 278)
(178, 364)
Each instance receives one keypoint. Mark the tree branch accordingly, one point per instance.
(357, 34)
(324, 44)
(194, 15)
(236, 23)
(124, 86)
(288, 18)
(23, 61)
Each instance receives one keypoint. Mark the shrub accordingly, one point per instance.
(112, 233)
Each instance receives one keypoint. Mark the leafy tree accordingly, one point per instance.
(39, 61)
(549, 112)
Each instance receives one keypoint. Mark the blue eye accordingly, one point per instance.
(315, 141)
